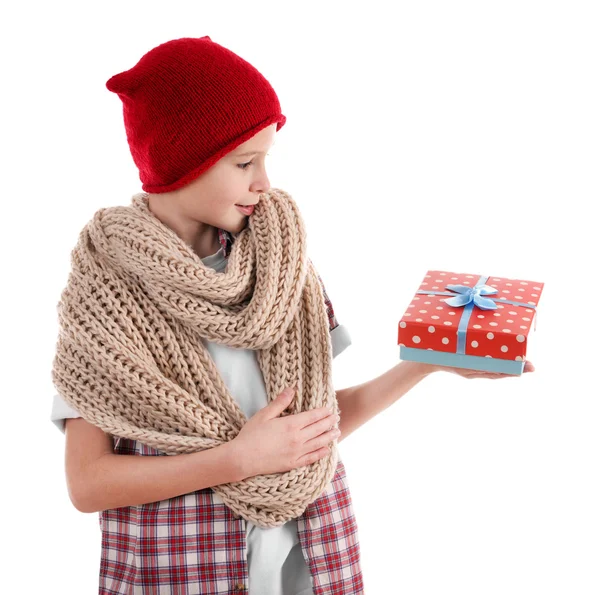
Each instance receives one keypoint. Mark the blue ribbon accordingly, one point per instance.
(470, 297)
(472, 294)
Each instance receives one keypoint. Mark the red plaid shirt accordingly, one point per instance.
(192, 544)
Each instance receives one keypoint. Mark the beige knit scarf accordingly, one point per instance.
(130, 359)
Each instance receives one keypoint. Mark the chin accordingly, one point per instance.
(243, 224)
(235, 228)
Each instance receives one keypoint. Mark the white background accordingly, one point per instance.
(458, 136)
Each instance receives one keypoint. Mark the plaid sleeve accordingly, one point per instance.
(333, 323)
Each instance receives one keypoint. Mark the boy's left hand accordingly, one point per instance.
(466, 373)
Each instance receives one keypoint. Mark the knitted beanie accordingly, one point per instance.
(186, 104)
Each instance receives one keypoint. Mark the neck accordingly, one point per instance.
(203, 238)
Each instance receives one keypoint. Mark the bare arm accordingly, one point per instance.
(358, 404)
(98, 479)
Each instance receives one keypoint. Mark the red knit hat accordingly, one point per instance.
(186, 104)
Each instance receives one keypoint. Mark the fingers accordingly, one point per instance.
(469, 373)
(493, 375)
(323, 425)
(322, 439)
(306, 418)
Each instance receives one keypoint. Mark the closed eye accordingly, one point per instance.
(245, 166)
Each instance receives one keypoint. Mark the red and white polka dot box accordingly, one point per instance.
(479, 322)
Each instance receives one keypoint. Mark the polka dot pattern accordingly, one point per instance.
(500, 333)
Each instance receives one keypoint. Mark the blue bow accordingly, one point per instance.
(472, 294)
(470, 297)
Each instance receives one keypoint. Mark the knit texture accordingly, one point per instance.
(130, 359)
(186, 104)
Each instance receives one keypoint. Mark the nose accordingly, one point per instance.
(261, 183)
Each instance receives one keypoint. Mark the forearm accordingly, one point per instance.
(358, 404)
(116, 480)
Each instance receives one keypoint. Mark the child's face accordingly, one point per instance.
(209, 202)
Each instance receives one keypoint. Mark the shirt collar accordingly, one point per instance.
(226, 239)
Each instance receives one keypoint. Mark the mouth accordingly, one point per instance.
(247, 210)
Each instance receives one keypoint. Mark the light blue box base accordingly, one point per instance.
(455, 360)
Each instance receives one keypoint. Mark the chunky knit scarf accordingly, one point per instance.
(129, 355)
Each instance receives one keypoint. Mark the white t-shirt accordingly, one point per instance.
(276, 563)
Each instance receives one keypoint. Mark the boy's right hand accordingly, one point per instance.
(268, 443)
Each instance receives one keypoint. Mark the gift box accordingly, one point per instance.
(470, 321)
